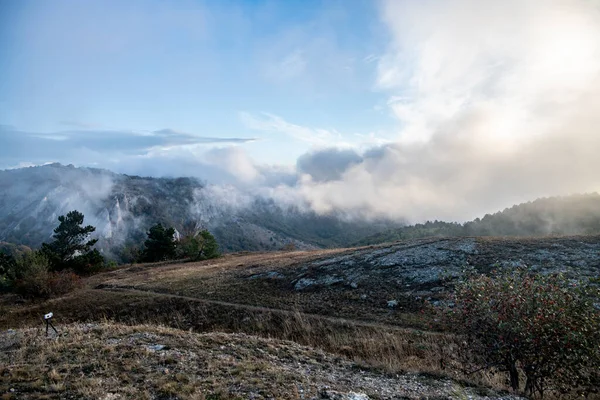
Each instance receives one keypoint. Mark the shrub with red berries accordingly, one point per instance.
(544, 327)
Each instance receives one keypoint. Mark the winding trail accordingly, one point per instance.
(335, 320)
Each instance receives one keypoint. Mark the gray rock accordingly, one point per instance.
(329, 280)
(334, 395)
(268, 275)
(155, 347)
(304, 283)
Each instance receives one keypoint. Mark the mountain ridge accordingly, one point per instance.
(123, 207)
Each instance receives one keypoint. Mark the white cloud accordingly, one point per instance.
(497, 103)
(317, 137)
(164, 152)
(293, 65)
(235, 161)
(516, 58)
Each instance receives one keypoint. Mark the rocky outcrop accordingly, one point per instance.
(427, 263)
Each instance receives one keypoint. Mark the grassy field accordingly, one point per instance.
(115, 361)
(244, 294)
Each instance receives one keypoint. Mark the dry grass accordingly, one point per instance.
(110, 361)
(389, 349)
(230, 279)
(221, 296)
(99, 361)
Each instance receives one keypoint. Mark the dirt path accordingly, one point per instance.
(335, 320)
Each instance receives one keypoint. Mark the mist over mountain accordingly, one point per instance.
(449, 110)
(565, 215)
(123, 207)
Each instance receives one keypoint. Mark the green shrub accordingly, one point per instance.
(201, 246)
(543, 326)
(130, 253)
(7, 264)
(32, 277)
(31, 274)
(29, 264)
(88, 263)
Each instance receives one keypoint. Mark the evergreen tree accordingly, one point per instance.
(160, 245)
(72, 248)
(200, 247)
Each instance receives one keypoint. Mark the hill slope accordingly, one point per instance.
(362, 304)
(569, 215)
(358, 283)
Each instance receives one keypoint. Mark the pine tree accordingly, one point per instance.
(160, 244)
(72, 248)
(201, 246)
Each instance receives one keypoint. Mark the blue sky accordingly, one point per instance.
(193, 66)
(413, 109)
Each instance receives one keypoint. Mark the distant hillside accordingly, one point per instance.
(569, 215)
(123, 207)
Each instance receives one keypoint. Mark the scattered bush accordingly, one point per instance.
(63, 282)
(47, 284)
(543, 326)
(289, 247)
(31, 277)
(7, 264)
(47, 272)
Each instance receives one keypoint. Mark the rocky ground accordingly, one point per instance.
(431, 261)
(386, 283)
(109, 361)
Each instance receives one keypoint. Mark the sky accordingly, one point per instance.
(404, 109)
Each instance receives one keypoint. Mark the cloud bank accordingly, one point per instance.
(497, 103)
(157, 153)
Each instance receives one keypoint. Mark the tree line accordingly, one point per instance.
(56, 267)
(569, 215)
